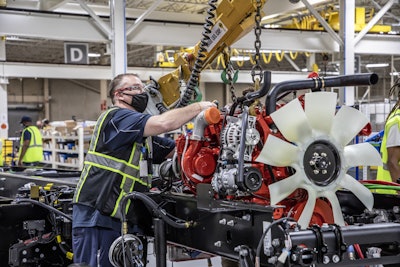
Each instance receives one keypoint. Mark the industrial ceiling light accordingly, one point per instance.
(240, 58)
(94, 55)
(377, 65)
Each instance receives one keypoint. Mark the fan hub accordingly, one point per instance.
(321, 162)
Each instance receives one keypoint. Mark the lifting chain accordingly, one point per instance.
(256, 70)
(229, 75)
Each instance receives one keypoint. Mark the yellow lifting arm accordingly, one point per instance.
(233, 19)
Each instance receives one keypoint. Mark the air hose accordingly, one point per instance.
(198, 65)
(153, 88)
(152, 206)
(44, 206)
(378, 186)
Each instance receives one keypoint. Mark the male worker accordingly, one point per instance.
(115, 164)
(390, 147)
(31, 147)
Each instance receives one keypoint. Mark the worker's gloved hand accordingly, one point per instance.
(205, 105)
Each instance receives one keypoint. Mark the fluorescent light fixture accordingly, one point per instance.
(12, 38)
(377, 65)
(261, 51)
(94, 55)
(272, 26)
(240, 58)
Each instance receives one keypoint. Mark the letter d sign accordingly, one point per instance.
(76, 53)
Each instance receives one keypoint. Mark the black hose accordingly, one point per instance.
(264, 89)
(317, 83)
(153, 88)
(44, 206)
(153, 207)
(240, 178)
(253, 95)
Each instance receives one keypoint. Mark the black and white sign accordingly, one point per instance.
(76, 53)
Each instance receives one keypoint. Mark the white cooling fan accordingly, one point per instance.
(319, 152)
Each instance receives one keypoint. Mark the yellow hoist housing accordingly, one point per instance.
(233, 19)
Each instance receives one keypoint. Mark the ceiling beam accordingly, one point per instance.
(52, 71)
(80, 28)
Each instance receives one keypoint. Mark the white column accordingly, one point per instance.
(347, 18)
(118, 37)
(3, 108)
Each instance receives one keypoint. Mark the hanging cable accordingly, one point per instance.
(198, 65)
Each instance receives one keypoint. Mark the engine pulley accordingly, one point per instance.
(252, 178)
(321, 162)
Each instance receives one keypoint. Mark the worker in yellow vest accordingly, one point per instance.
(1, 153)
(390, 147)
(31, 147)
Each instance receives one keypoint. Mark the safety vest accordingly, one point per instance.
(2, 153)
(108, 176)
(383, 173)
(34, 153)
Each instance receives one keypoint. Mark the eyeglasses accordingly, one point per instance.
(135, 87)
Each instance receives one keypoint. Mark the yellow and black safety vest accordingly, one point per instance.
(383, 173)
(34, 153)
(108, 176)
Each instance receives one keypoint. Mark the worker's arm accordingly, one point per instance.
(173, 119)
(393, 162)
(24, 148)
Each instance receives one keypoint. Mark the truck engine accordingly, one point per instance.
(260, 184)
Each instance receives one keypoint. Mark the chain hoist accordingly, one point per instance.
(229, 74)
(256, 70)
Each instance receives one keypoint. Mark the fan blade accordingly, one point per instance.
(320, 108)
(362, 154)
(347, 123)
(360, 191)
(283, 188)
(306, 214)
(277, 152)
(292, 121)
(336, 209)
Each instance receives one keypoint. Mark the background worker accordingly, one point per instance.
(31, 147)
(390, 147)
(123, 141)
(1, 153)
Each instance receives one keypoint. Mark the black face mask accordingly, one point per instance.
(139, 102)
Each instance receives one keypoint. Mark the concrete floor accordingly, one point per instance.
(215, 261)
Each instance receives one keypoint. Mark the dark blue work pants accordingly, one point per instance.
(91, 245)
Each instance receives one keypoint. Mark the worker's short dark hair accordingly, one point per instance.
(116, 83)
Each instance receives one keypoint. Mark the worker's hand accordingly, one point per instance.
(205, 105)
